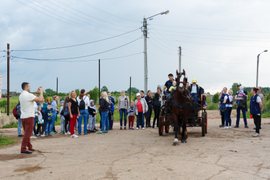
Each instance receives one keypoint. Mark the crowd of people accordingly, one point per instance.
(226, 101)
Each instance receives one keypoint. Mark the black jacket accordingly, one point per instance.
(156, 101)
(104, 105)
(148, 99)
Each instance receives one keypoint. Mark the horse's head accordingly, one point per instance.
(181, 81)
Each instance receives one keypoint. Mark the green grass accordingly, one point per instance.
(11, 125)
(6, 141)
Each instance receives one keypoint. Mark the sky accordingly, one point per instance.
(220, 41)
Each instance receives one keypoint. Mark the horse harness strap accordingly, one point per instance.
(181, 105)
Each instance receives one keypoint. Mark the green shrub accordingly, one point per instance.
(212, 106)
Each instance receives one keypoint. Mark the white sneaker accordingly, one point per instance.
(68, 132)
(42, 135)
(256, 134)
(230, 127)
(73, 136)
(137, 128)
(226, 127)
(33, 137)
(143, 128)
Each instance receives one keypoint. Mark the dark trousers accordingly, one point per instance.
(34, 128)
(130, 121)
(140, 120)
(257, 121)
(222, 117)
(28, 124)
(157, 112)
(238, 116)
(148, 118)
(228, 116)
(67, 120)
(111, 120)
(40, 129)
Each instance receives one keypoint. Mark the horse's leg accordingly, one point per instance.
(175, 142)
(184, 130)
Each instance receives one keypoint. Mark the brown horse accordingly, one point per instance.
(180, 106)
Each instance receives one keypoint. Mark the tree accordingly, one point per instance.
(77, 91)
(104, 88)
(93, 94)
(235, 88)
(133, 90)
(48, 91)
(215, 98)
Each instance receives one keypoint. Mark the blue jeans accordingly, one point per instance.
(48, 127)
(84, 115)
(54, 116)
(19, 126)
(121, 117)
(195, 96)
(140, 120)
(105, 120)
(228, 116)
(238, 116)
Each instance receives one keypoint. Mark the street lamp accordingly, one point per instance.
(258, 57)
(145, 47)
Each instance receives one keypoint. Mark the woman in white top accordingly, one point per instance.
(228, 101)
(83, 103)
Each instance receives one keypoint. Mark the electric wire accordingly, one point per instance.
(82, 44)
(78, 57)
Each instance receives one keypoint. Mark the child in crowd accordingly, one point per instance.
(40, 122)
(111, 110)
(62, 118)
(173, 86)
(131, 114)
(49, 120)
(92, 116)
(240, 94)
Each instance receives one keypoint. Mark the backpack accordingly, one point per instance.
(82, 104)
(15, 113)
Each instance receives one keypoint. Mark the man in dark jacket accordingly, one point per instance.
(195, 90)
(168, 84)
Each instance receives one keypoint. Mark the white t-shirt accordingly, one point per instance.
(27, 105)
(193, 89)
(86, 101)
(258, 99)
(230, 99)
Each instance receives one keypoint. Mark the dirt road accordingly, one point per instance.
(143, 154)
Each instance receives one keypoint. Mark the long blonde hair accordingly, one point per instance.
(71, 93)
(105, 96)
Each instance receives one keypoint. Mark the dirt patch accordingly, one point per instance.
(28, 169)
(8, 157)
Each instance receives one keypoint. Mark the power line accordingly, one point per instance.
(82, 44)
(78, 57)
(102, 59)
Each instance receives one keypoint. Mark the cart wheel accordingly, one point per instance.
(167, 127)
(160, 127)
(206, 123)
(203, 124)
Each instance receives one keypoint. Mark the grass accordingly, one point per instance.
(11, 125)
(6, 141)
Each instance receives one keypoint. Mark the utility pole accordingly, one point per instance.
(98, 80)
(145, 54)
(57, 85)
(258, 57)
(130, 90)
(180, 53)
(8, 67)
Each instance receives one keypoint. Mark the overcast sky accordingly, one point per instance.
(220, 42)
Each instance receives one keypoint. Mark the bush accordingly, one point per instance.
(11, 125)
(212, 106)
(215, 98)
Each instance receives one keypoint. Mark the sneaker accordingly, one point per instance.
(125, 128)
(20, 135)
(226, 127)
(137, 128)
(120, 128)
(256, 134)
(26, 152)
(230, 127)
(100, 132)
(246, 126)
(33, 137)
(132, 128)
(38, 135)
(73, 136)
(61, 132)
(143, 128)
(52, 133)
(105, 132)
(221, 125)
(236, 126)
(42, 135)
(68, 132)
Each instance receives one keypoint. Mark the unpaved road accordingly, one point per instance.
(143, 154)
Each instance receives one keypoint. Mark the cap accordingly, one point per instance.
(194, 80)
(239, 85)
(138, 94)
(62, 101)
(170, 74)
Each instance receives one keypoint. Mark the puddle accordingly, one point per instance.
(28, 169)
(7, 157)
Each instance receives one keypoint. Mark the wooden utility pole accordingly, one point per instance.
(57, 85)
(98, 80)
(180, 53)
(130, 90)
(8, 67)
